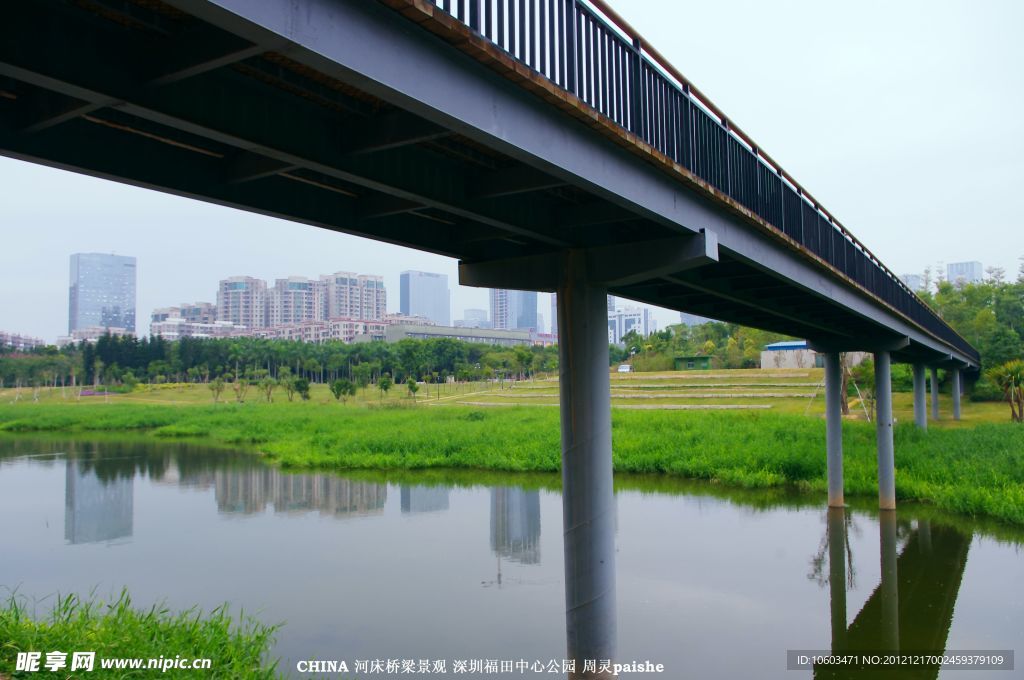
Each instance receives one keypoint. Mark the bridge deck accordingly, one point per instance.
(347, 115)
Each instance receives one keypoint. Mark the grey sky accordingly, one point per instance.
(905, 119)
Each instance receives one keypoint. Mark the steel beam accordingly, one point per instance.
(588, 499)
(920, 410)
(834, 427)
(883, 431)
(606, 265)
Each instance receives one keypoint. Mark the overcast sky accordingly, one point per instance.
(905, 119)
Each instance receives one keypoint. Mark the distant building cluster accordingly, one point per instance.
(19, 343)
(958, 273)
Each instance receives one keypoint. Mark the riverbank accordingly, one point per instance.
(975, 471)
(236, 648)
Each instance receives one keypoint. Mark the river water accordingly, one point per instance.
(468, 566)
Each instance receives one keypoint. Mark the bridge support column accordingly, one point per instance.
(834, 428)
(588, 501)
(920, 410)
(883, 427)
(889, 588)
(934, 379)
(956, 394)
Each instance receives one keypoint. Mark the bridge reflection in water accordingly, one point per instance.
(911, 609)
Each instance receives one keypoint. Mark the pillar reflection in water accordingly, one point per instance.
(911, 609)
(890, 624)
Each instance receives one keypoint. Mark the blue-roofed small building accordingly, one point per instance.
(797, 354)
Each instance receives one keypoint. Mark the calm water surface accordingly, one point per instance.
(450, 566)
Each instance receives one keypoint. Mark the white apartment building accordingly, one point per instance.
(622, 321)
(242, 300)
(354, 296)
(296, 299)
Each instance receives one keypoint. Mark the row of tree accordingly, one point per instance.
(127, 360)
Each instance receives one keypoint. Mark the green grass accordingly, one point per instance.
(236, 647)
(976, 471)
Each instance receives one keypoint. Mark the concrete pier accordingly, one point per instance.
(883, 428)
(588, 501)
(920, 410)
(956, 394)
(934, 379)
(834, 427)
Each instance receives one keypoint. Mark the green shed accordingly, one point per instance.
(699, 362)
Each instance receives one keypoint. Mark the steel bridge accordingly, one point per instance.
(543, 143)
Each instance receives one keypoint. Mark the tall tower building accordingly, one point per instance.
(101, 291)
(513, 309)
(296, 299)
(425, 294)
(966, 272)
(554, 314)
(242, 300)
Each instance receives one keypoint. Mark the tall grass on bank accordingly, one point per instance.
(237, 648)
(976, 471)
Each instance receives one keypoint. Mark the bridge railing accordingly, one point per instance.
(587, 49)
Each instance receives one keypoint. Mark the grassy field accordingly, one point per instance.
(975, 470)
(236, 648)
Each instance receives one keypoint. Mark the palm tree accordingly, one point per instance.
(1010, 379)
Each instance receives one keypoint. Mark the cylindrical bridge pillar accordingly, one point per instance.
(883, 430)
(834, 428)
(588, 501)
(934, 379)
(920, 409)
(956, 394)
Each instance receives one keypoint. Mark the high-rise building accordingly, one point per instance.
(967, 272)
(474, 318)
(554, 314)
(102, 292)
(296, 299)
(622, 321)
(513, 309)
(242, 300)
(425, 294)
(351, 296)
(611, 303)
(914, 282)
(692, 319)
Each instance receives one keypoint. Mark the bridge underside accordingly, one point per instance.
(187, 98)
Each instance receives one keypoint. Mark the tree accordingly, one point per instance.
(240, 385)
(1010, 379)
(384, 384)
(301, 386)
(216, 387)
(342, 389)
(361, 374)
(267, 386)
(413, 387)
(287, 381)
